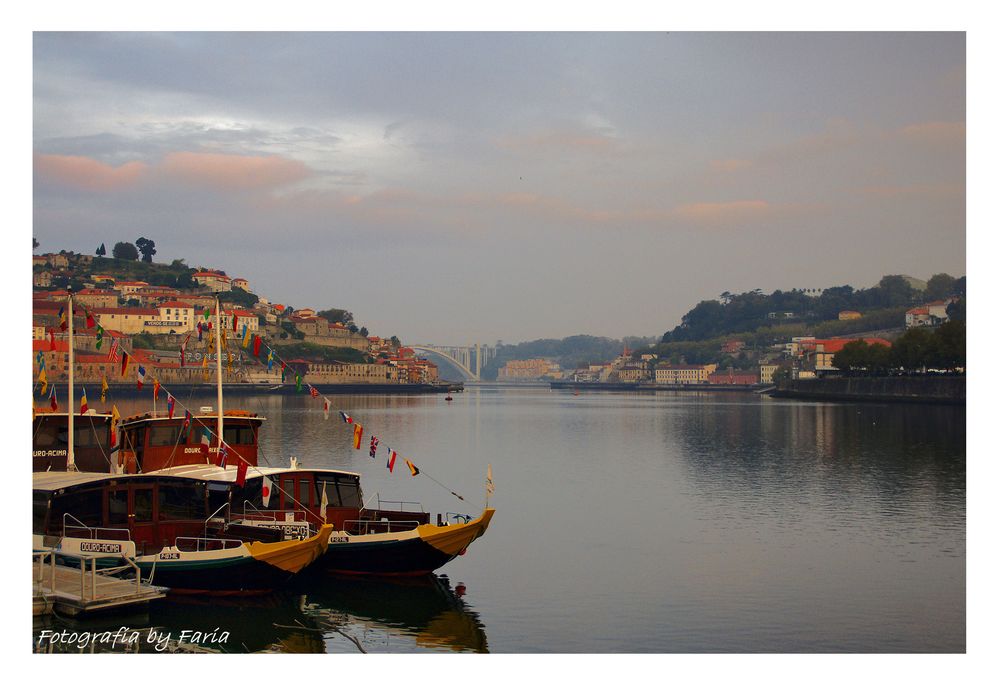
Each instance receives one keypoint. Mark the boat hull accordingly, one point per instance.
(415, 552)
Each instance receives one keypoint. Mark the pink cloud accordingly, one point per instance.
(88, 174)
(716, 213)
(936, 131)
(233, 172)
(729, 165)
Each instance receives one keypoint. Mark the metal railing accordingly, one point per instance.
(382, 502)
(297, 515)
(93, 533)
(207, 544)
(84, 573)
(369, 526)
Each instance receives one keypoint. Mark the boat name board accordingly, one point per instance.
(101, 547)
(49, 453)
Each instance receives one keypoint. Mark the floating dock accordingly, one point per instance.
(85, 589)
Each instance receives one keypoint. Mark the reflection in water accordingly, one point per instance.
(334, 614)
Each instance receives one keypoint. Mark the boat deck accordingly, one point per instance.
(84, 589)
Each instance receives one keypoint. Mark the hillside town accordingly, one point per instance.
(163, 327)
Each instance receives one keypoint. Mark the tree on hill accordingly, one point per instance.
(34, 243)
(126, 251)
(940, 286)
(101, 251)
(334, 315)
(147, 248)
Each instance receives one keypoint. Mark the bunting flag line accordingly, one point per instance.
(115, 418)
(373, 448)
(83, 403)
(326, 409)
(170, 402)
(63, 325)
(43, 378)
(358, 432)
(124, 363)
(412, 467)
(346, 418)
(390, 464)
(265, 491)
(140, 376)
(53, 402)
(104, 388)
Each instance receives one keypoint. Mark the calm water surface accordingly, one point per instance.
(673, 522)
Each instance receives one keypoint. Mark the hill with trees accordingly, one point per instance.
(570, 353)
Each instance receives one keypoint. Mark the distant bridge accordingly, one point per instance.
(470, 358)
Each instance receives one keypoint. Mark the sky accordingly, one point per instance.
(454, 188)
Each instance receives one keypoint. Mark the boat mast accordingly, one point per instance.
(70, 460)
(218, 367)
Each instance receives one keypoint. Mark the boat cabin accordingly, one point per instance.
(91, 441)
(154, 441)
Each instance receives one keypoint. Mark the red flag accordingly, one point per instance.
(170, 402)
(52, 400)
(241, 473)
(234, 319)
(313, 391)
(83, 403)
(256, 346)
(156, 388)
(391, 461)
(124, 363)
(52, 339)
(90, 319)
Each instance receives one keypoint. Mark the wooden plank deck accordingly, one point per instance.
(72, 593)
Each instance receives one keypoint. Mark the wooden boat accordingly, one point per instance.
(50, 441)
(162, 522)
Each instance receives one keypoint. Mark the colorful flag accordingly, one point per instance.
(140, 376)
(206, 441)
(346, 418)
(62, 318)
(206, 314)
(156, 388)
(40, 359)
(358, 432)
(187, 423)
(115, 418)
(113, 351)
(412, 467)
(323, 503)
(51, 339)
(373, 447)
(298, 383)
(104, 388)
(270, 358)
(326, 409)
(256, 346)
(43, 378)
(53, 402)
(313, 391)
(221, 458)
(124, 363)
(241, 473)
(83, 403)
(199, 331)
(391, 461)
(234, 319)
(246, 336)
(100, 337)
(170, 402)
(490, 488)
(90, 319)
(265, 491)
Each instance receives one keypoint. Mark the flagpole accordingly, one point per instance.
(70, 457)
(218, 369)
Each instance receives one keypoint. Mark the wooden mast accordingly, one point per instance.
(70, 458)
(218, 368)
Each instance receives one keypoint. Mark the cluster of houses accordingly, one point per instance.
(121, 310)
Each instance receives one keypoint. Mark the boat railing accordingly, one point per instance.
(212, 517)
(190, 544)
(370, 526)
(400, 503)
(251, 513)
(82, 530)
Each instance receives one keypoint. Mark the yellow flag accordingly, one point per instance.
(44, 380)
(104, 388)
(246, 336)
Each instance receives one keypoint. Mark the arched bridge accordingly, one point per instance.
(470, 358)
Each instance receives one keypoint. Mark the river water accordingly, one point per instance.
(632, 522)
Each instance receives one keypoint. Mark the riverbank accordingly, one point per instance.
(917, 389)
(231, 389)
(653, 387)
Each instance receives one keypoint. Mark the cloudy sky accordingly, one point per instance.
(454, 188)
